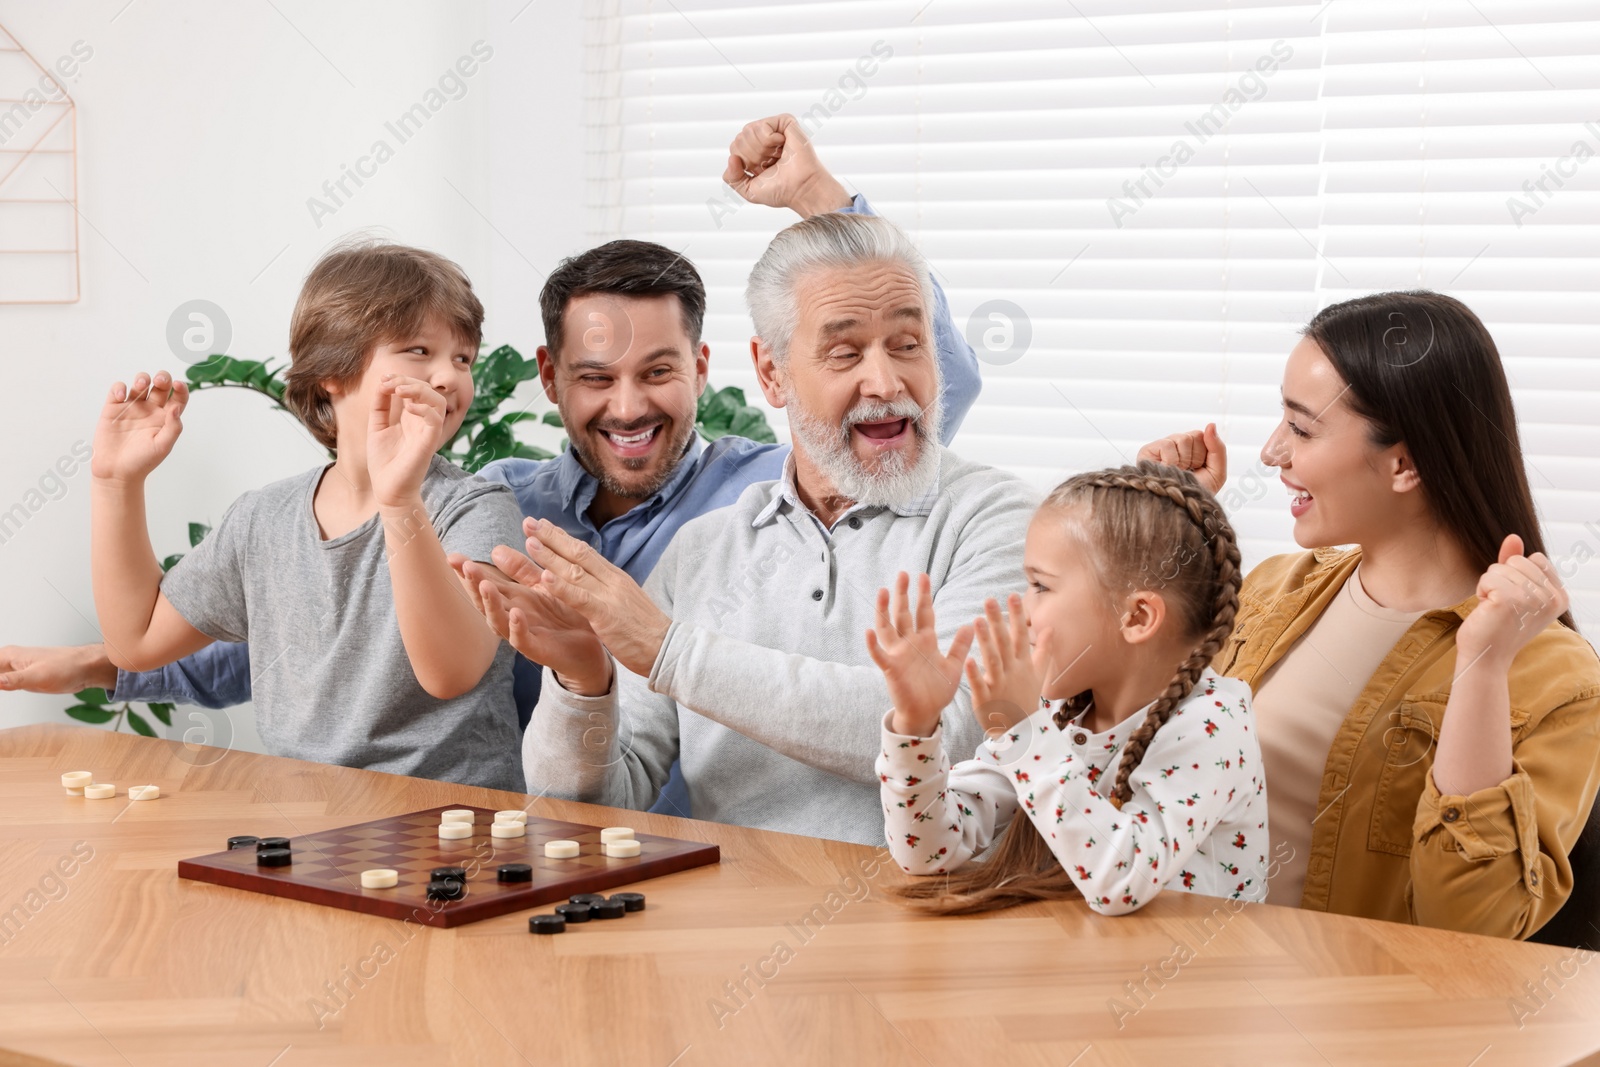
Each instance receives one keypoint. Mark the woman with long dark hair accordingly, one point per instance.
(1429, 718)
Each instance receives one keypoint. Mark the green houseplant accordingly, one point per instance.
(485, 436)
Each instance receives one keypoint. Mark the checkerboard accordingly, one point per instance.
(327, 866)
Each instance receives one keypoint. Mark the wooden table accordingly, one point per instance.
(789, 951)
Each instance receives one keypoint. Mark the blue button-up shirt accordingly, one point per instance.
(710, 476)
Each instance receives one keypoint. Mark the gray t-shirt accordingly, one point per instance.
(329, 673)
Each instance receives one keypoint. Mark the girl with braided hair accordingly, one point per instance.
(1132, 765)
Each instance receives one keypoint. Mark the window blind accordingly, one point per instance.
(1134, 205)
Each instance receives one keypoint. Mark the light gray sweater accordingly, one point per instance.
(763, 687)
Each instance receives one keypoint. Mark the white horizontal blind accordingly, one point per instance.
(1161, 193)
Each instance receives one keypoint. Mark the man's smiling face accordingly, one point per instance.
(627, 382)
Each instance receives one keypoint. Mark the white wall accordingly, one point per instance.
(203, 131)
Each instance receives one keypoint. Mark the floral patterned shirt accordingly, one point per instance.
(1197, 819)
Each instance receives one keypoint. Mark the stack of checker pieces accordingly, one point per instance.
(325, 868)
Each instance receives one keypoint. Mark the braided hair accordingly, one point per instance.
(1208, 593)
(1135, 515)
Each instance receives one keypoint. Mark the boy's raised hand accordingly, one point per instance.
(1006, 690)
(906, 648)
(403, 433)
(138, 426)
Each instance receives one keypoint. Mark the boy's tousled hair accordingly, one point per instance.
(362, 294)
(1148, 526)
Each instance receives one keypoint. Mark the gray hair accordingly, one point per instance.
(823, 242)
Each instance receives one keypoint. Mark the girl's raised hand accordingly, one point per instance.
(1006, 690)
(906, 648)
(138, 427)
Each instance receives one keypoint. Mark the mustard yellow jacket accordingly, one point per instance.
(1387, 844)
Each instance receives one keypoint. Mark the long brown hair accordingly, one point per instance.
(1135, 514)
(1423, 369)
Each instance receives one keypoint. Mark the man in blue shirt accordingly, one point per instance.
(635, 469)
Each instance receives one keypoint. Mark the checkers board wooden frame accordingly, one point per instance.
(327, 866)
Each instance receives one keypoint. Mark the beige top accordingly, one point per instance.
(1299, 706)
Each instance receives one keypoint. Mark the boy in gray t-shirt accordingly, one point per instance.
(365, 650)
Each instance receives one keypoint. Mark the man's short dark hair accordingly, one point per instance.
(623, 268)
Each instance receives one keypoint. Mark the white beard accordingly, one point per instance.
(897, 480)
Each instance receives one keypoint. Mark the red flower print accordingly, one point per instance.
(1188, 879)
(1211, 728)
(1083, 875)
(912, 839)
(1238, 840)
(912, 779)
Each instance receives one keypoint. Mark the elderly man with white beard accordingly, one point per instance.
(744, 655)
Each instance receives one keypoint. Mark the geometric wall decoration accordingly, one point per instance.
(38, 182)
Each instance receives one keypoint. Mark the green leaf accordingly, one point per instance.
(136, 721)
(495, 442)
(197, 533)
(482, 438)
(751, 423)
(162, 712)
(553, 418)
(724, 411)
(171, 561)
(85, 713)
(96, 697)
